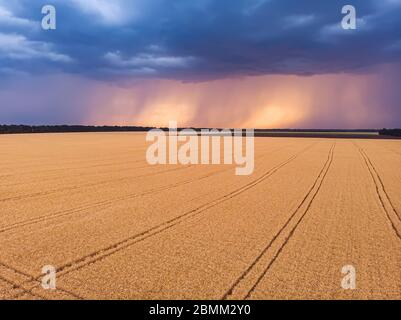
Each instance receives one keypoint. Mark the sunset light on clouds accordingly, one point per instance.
(262, 64)
(189, 157)
(350, 101)
(320, 101)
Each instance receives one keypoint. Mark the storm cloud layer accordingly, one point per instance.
(137, 48)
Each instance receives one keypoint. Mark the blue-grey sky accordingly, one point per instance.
(206, 62)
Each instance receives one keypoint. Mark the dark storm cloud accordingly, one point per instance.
(197, 39)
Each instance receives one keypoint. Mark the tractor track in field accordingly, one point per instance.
(88, 185)
(104, 203)
(101, 254)
(22, 288)
(311, 195)
(16, 286)
(389, 209)
(68, 163)
(79, 174)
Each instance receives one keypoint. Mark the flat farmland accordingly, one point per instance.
(115, 227)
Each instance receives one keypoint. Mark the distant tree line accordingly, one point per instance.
(83, 128)
(67, 128)
(390, 132)
(4, 129)
(317, 130)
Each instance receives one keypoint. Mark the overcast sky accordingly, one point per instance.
(261, 63)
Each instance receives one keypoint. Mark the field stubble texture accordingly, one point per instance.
(116, 227)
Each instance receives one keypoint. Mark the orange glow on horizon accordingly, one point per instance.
(257, 102)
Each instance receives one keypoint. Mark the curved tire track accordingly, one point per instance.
(114, 248)
(88, 185)
(307, 200)
(79, 174)
(68, 163)
(104, 203)
(100, 204)
(16, 286)
(23, 289)
(101, 254)
(389, 209)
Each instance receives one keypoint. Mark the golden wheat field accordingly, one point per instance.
(115, 227)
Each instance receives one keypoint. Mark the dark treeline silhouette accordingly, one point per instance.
(317, 130)
(330, 133)
(390, 132)
(83, 128)
(67, 128)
